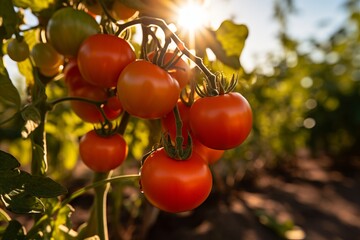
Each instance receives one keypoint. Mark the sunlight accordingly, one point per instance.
(192, 16)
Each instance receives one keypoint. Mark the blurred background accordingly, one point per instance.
(296, 176)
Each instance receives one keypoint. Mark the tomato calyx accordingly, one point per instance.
(177, 150)
(222, 86)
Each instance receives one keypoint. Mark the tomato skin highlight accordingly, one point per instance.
(102, 57)
(102, 153)
(68, 28)
(146, 90)
(221, 122)
(175, 186)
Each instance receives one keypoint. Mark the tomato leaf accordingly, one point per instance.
(9, 96)
(14, 231)
(232, 38)
(20, 191)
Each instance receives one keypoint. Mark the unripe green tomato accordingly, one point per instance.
(68, 28)
(45, 56)
(18, 50)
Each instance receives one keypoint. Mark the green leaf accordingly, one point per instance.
(9, 96)
(32, 118)
(232, 38)
(7, 161)
(9, 19)
(20, 191)
(14, 231)
(34, 5)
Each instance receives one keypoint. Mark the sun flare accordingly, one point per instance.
(192, 16)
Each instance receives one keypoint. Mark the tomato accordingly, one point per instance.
(168, 122)
(180, 71)
(72, 76)
(221, 122)
(18, 50)
(102, 57)
(113, 107)
(210, 155)
(68, 28)
(122, 12)
(146, 90)
(49, 72)
(175, 186)
(45, 56)
(102, 153)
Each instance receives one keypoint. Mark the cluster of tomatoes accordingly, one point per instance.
(105, 79)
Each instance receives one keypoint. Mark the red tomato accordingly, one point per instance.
(113, 107)
(175, 186)
(102, 57)
(180, 71)
(146, 90)
(210, 155)
(102, 153)
(221, 122)
(73, 77)
(122, 12)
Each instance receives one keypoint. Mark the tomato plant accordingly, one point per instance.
(68, 28)
(18, 50)
(221, 122)
(150, 93)
(102, 57)
(102, 153)
(175, 185)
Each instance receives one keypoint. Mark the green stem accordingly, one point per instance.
(100, 205)
(64, 99)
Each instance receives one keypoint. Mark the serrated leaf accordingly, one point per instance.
(9, 96)
(232, 37)
(14, 230)
(32, 118)
(8, 161)
(34, 5)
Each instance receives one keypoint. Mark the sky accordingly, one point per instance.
(258, 16)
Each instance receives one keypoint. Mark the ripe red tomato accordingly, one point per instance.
(87, 111)
(122, 12)
(102, 57)
(68, 28)
(146, 90)
(72, 75)
(102, 153)
(113, 107)
(18, 50)
(210, 155)
(175, 186)
(181, 70)
(221, 122)
(45, 56)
